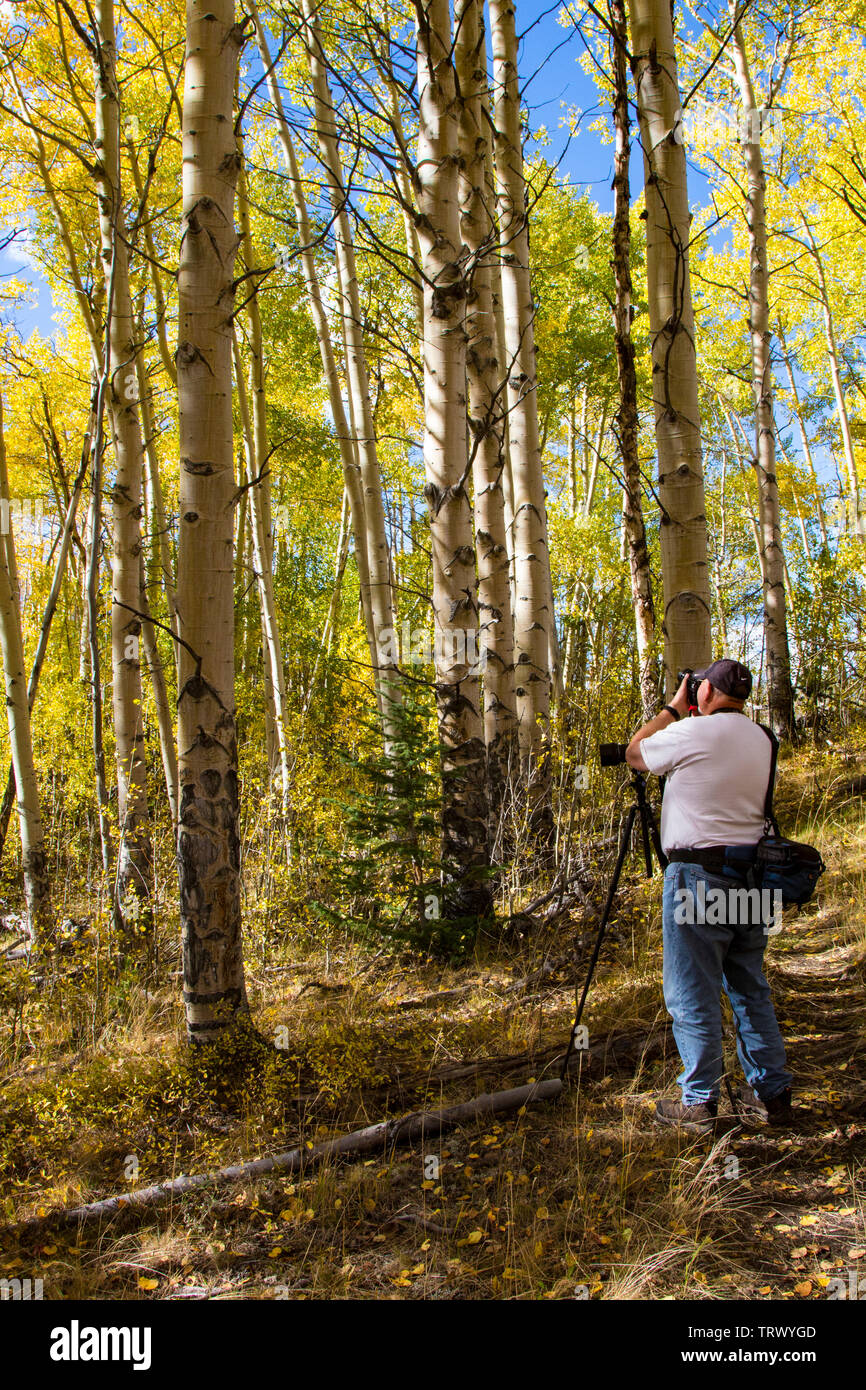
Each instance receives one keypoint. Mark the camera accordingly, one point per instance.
(611, 754)
(692, 685)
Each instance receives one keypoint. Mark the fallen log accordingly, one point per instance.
(408, 1129)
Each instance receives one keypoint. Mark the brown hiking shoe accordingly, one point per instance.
(776, 1111)
(697, 1118)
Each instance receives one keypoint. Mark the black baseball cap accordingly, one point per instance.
(730, 677)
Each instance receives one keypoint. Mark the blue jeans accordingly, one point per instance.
(699, 960)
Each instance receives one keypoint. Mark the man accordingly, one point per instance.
(717, 767)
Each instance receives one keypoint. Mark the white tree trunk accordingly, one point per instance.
(455, 611)
(857, 515)
(627, 422)
(779, 692)
(804, 438)
(256, 435)
(208, 838)
(685, 574)
(535, 640)
(375, 537)
(134, 868)
(346, 440)
(486, 408)
(36, 883)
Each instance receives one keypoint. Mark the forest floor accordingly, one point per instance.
(581, 1197)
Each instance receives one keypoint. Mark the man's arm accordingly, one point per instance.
(633, 756)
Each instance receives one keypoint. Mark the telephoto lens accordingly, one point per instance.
(611, 754)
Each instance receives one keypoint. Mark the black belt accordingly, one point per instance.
(716, 858)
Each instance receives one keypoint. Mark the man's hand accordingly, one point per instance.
(680, 702)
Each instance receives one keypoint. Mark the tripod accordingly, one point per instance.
(651, 842)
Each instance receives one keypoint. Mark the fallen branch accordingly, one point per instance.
(558, 890)
(385, 1135)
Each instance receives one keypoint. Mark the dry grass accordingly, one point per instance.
(584, 1198)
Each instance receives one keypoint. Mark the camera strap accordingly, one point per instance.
(770, 822)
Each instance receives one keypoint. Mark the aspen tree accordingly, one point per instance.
(160, 541)
(858, 515)
(374, 536)
(804, 436)
(534, 619)
(134, 867)
(36, 883)
(208, 835)
(685, 574)
(627, 415)
(51, 604)
(352, 480)
(446, 464)
(254, 413)
(486, 405)
(777, 655)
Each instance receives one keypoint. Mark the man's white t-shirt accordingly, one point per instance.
(718, 767)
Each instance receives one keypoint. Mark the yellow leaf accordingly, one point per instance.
(147, 1283)
(277, 1250)
(542, 1214)
(418, 1269)
(765, 1289)
(539, 1249)
(808, 1220)
(474, 1237)
(803, 1289)
(426, 1245)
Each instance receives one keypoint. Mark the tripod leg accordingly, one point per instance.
(645, 836)
(656, 838)
(611, 894)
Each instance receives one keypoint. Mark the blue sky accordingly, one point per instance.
(555, 83)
